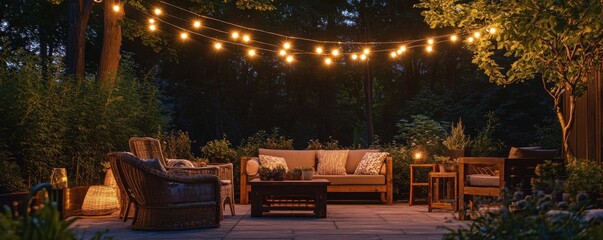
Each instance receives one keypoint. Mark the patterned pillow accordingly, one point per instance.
(370, 163)
(332, 162)
(180, 163)
(271, 162)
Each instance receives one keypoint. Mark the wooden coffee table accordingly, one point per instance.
(289, 195)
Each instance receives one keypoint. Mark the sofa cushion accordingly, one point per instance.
(352, 179)
(180, 163)
(331, 162)
(272, 162)
(354, 157)
(483, 180)
(532, 153)
(252, 167)
(294, 158)
(371, 163)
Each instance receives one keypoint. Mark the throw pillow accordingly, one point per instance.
(271, 162)
(370, 163)
(180, 163)
(332, 162)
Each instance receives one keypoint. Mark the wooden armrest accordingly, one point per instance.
(481, 160)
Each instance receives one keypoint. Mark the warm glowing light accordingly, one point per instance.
(393, 54)
(366, 51)
(319, 50)
(430, 41)
(492, 30)
(197, 24)
(453, 38)
(476, 34)
(429, 49)
(328, 61)
(246, 38)
(418, 155)
(116, 8)
(235, 35)
(282, 52)
(218, 46)
(184, 36)
(362, 57)
(470, 39)
(335, 52)
(151, 20)
(157, 11)
(401, 50)
(354, 56)
(287, 45)
(289, 59)
(152, 27)
(251, 52)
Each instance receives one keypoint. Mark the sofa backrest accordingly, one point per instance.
(532, 153)
(294, 158)
(354, 157)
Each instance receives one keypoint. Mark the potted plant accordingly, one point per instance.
(446, 164)
(307, 173)
(277, 173)
(295, 174)
(457, 140)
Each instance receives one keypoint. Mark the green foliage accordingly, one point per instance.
(484, 144)
(457, 140)
(219, 151)
(276, 173)
(331, 144)
(401, 160)
(176, 144)
(584, 176)
(421, 131)
(548, 134)
(261, 139)
(64, 123)
(549, 177)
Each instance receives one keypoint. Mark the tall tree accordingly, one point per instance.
(78, 15)
(558, 42)
(110, 53)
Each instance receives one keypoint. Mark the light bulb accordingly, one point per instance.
(152, 27)
(476, 34)
(453, 38)
(401, 49)
(492, 30)
(470, 39)
(429, 48)
(319, 50)
(235, 35)
(287, 45)
(251, 52)
(335, 52)
(116, 8)
(328, 61)
(362, 57)
(354, 56)
(289, 59)
(366, 51)
(157, 11)
(184, 35)
(430, 41)
(197, 24)
(218, 46)
(393, 54)
(151, 20)
(282, 52)
(246, 38)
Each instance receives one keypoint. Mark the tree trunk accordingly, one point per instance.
(566, 123)
(110, 55)
(368, 93)
(78, 14)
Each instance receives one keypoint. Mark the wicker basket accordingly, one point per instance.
(100, 200)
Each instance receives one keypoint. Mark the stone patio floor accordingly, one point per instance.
(344, 221)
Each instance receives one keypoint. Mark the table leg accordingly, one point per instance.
(257, 202)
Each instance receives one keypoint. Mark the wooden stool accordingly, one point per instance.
(442, 191)
(414, 184)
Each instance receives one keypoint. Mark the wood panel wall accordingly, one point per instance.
(586, 136)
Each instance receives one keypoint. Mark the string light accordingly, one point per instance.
(218, 46)
(492, 30)
(246, 38)
(289, 59)
(151, 20)
(282, 52)
(157, 11)
(429, 48)
(116, 8)
(453, 38)
(318, 50)
(335, 52)
(197, 24)
(152, 27)
(476, 34)
(362, 57)
(393, 54)
(366, 51)
(251, 52)
(287, 45)
(184, 36)
(401, 49)
(430, 41)
(235, 35)
(470, 39)
(328, 61)
(354, 56)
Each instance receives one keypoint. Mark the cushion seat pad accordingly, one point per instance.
(483, 180)
(353, 179)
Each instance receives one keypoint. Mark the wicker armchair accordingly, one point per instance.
(225, 174)
(166, 201)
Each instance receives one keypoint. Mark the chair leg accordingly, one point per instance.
(231, 203)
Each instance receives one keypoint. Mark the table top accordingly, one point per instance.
(290, 182)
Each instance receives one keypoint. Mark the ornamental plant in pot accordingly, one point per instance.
(295, 174)
(307, 173)
(446, 164)
(277, 173)
(457, 140)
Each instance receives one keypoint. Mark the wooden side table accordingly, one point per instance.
(443, 190)
(413, 183)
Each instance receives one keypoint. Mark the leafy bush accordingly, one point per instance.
(331, 144)
(176, 144)
(549, 177)
(219, 151)
(401, 160)
(484, 144)
(421, 131)
(584, 176)
(457, 140)
(261, 139)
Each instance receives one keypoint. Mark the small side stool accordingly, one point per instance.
(443, 191)
(413, 183)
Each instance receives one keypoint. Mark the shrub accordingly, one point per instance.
(175, 144)
(457, 140)
(421, 131)
(261, 139)
(401, 160)
(219, 151)
(331, 144)
(584, 176)
(484, 144)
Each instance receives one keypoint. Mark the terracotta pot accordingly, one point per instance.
(448, 167)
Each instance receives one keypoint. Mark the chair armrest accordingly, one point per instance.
(481, 160)
(225, 171)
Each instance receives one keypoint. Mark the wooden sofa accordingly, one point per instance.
(339, 183)
(489, 176)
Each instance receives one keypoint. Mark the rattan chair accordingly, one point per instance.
(164, 200)
(225, 174)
